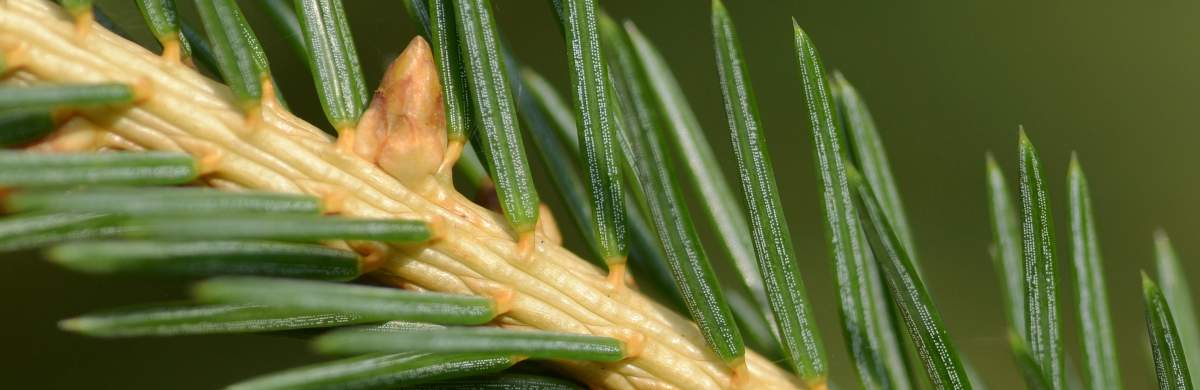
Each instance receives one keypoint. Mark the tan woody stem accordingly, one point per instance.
(551, 290)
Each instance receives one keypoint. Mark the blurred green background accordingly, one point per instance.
(947, 81)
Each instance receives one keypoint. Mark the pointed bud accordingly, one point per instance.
(404, 129)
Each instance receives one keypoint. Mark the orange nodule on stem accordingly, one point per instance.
(634, 343)
(345, 140)
(254, 114)
(143, 90)
(437, 228)
(740, 377)
(268, 90)
(333, 202)
(820, 383)
(254, 109)
(172, 49)
(502, 299)
(14, 58)
(83, 23)
(209, 162)
(208, 157)
(372, 255)
(616, 274)
(525, 244)
(502, 295)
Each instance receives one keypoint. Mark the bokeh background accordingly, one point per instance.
(946, 80)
